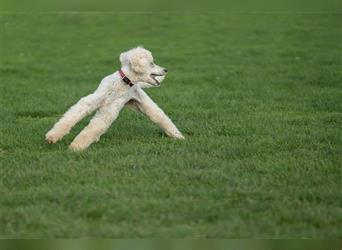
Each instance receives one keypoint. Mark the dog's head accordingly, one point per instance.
(140, 67)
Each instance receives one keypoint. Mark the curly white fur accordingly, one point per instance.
(111, 96)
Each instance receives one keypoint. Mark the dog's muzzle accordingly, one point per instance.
(155, 78)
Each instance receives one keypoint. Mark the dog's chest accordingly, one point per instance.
(120, 91)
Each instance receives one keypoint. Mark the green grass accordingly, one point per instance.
(258, 97)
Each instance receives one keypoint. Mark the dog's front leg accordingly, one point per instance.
(97, 126)
(147, 106)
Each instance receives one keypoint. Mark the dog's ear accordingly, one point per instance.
(137, 64)
(134, 59)
(124, 58)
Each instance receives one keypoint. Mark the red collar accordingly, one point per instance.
(125, 78)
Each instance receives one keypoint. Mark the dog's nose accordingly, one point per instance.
(165, 70)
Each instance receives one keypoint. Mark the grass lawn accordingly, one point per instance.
(258, 97)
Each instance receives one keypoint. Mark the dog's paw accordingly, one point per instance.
(178, 136)
(51, 138)
(75, 147)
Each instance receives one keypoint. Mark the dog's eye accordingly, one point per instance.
(152, 63)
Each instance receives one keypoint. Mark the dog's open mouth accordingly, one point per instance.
(157, 78)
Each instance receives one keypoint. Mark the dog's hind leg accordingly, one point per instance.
(148, 107)
(98, 125)
(82, 108)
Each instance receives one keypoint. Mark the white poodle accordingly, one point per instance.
(122, 88)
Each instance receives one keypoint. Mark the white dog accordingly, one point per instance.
(122, 88)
